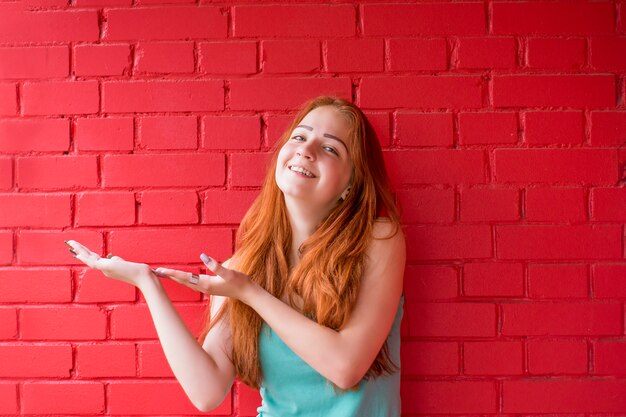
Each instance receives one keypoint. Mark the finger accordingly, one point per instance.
(186, 278)
(213, 265)
(81, 250)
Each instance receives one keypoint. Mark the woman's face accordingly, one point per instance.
(315, 164)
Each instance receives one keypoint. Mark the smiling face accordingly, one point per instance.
(314, 164)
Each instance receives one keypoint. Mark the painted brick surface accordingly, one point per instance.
(144, 128)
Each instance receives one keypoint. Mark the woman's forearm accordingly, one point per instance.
(193, 367)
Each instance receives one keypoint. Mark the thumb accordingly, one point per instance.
(212, 264)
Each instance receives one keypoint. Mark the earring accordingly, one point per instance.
(345, 193)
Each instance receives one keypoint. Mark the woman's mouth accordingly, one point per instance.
(299, 170)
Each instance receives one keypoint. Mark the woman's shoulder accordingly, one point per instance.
(385, 228)
(388, 240)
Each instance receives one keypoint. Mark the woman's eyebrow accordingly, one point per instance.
(328, 135)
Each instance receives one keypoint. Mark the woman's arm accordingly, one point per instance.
(205, 373)
(342, 356)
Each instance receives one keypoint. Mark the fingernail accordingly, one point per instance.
(109, 256)
(65, 241)
(72, 251)
(206, 259)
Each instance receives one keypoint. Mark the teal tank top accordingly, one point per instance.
(291, 388)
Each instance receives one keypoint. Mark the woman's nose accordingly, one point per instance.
(305, 151)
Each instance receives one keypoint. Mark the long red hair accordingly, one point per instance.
(328, 275)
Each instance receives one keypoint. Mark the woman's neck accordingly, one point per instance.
(304, 220)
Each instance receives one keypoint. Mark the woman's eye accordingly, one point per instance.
(328, 148)
(298, 136)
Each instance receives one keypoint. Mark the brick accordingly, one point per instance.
(290, 56)
(231, 132)
(249, 169)
(503, 204)
(608, 127)
(24, 286)
(162, 96)
(164, 245)
(95, 287)
(8, 99)
(62, 323)
(448, 242)
(556, 53)
(276, 21)
(564, 396)
(424, 129)
(142, 2)
(8, 398)
(169, 207)
(421, 92)
(283, 93)
(47, 247)
(423, 19)
(60, 398)
(226, 206)
(34, 62)
(34, 210)
(417, 55)
(426, 205)
(17, 26)
(608, 358)
(6, 247)
(558, 281)
(475, 53)
(439, 166)
(183, 22)
(60, 97)
(452, 319)
(152, 361)
(8, 323)
(557, 357)
(430, 282)
(490, 279)
(160, 397)
(164, 170)
(168, 132)
(558, 242)
(102, 60)
(35, 361)
(56, 172)
(104, 134)
(556, 204)
(164, 57)
(227, 57)
(553, 18)
(247, 400)
(556, 165)
(608, 204)
(561, 319)
(430, 358)
(99, 2)
(493, 358)
(453, 397)
(380, 124)
(487, 128)
(607, 53)
(28, 135)
(355, 55)
(6, 173)
(621, 22)
(105, 209)
(276, 126)
(135, 321)
(111, 133)
(110, 360)
(609, 281)
(554, 90)
(544, 128)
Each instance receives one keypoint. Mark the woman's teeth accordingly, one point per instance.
(302, 171)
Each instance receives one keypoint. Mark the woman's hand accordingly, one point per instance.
(226, 282)
(113, 267)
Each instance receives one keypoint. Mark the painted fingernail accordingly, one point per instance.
(72, 251)
(206, 259)
(65, 241)
(109, 256)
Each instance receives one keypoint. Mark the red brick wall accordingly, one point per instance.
(142, 128)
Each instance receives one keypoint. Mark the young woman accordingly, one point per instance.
(308, 308)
